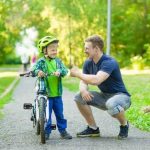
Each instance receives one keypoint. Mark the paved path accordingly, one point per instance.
(16, 132)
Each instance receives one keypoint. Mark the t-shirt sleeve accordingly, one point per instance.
(108, 66)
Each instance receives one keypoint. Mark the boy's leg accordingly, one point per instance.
(49, 122)
(61, 122)
(58, 110)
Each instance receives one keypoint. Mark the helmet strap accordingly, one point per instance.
(47, 55)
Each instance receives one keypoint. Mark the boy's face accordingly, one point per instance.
(52, 50)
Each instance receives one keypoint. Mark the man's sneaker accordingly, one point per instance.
(89, 132)
(47, 136)
(65, 135)
(123, 131)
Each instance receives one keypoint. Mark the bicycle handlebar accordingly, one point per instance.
(30, 74)
(27, 74)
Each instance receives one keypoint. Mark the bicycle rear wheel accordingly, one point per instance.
(42, 118)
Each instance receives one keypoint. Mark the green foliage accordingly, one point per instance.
(82, 19)
(147, 54)
(72, 21)
(137, 62)
(130, 29)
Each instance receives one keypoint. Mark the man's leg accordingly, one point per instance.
(87, 113)
(85, 109)
(116, 106)
(121, 118)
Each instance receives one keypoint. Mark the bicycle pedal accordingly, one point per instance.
(53, 126)
(32, 118)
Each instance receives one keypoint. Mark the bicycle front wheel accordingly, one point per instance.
(42, 118)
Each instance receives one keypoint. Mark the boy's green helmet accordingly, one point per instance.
(45, 41)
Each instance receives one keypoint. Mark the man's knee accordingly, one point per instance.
(78, 99)
(113, 109)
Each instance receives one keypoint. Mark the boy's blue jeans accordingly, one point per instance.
(56, 104)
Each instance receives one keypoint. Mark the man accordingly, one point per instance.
(103, 71)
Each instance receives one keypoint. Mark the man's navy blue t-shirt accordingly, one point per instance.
(114, 83)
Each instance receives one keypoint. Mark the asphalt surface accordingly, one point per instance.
(17, 133)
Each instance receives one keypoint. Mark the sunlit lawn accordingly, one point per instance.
(10, 66)
(6, 78)
(139, 88)
(5, 82)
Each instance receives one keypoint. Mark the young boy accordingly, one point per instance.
(51, 64)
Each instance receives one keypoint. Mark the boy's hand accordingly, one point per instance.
(41, 74)
(57, 73)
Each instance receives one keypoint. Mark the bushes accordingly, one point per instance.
(12, 60)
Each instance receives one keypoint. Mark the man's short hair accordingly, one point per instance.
(96, 41)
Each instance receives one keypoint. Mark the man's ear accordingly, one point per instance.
(97, 48)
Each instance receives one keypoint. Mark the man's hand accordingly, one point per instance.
(41, 74)
(75, 72)
(57, 73)
(86, 95)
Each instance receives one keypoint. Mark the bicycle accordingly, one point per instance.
(39, 109)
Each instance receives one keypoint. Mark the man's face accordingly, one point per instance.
(89, 50)
(52, 50)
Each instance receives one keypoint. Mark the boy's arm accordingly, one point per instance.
(36, 68)
(62, 69)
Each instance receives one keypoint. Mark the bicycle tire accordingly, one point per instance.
(42, 119)
(38, 127)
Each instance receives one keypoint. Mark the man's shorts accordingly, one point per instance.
(113, 103)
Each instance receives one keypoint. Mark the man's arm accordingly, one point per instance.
(97, 79)
(94, 79)
(85, 94)
(83, 86)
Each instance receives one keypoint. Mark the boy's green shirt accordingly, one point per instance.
(53, 83)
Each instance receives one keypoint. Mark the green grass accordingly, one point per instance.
(73, 84)
(5, 82)
(138, 86)
(4, 101)
(10, 66)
